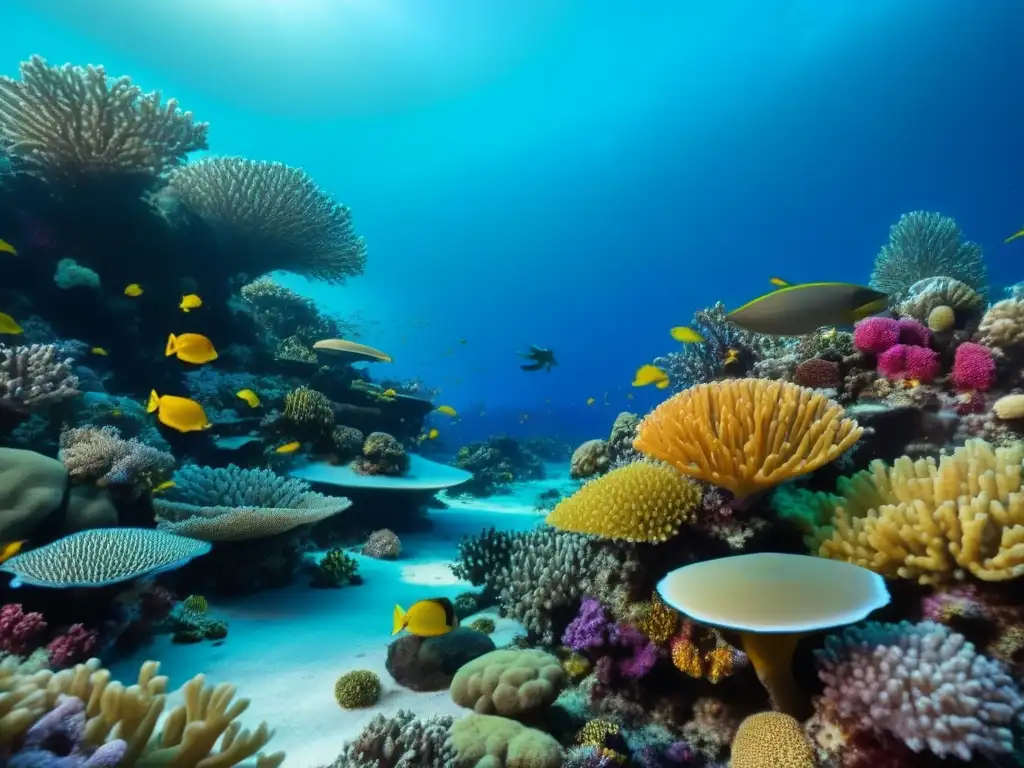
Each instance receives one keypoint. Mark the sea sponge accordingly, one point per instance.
(485, 741)
(876, 334)
(924, 684)
(904, 361)
(1009, 407)
(637, 502)
(1003, 324)
(747, 435)
(590, 458)
(771, 740)
(309, 411)
(515, 683)
(32, 488)
(357, 690)
(930, 521)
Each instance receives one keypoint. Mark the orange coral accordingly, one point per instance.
(657, 621)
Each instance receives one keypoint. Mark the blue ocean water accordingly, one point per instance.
(584, 175)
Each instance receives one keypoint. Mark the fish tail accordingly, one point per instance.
(869, 309)
(154, 402)
(398, 620)
(171, 347)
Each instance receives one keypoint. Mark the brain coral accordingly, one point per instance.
(589, 459)
(642, 501)
(747, 435)
(771, 739)
(484, 741)
(512, 683)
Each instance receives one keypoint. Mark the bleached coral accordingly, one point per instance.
(1003, 324)
(34, 377)
(924, 684)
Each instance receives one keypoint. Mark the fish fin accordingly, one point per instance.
(171, 347)
(154, 402)
(398, 620)
(663, 384)
(869, 309)
(1015, 236)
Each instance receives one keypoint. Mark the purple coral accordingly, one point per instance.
(57, 741)
(641, 656)
(589, 629)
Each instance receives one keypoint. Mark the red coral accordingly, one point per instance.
(74, 646)
(973, 367)
(818, 373)
(19, 631)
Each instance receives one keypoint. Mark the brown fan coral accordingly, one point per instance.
(747, 435)
(642, 501)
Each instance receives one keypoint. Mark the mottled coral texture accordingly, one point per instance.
(20, 632)
(924, 684)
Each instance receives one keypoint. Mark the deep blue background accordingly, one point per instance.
(585, 174)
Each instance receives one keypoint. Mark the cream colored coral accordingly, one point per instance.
(747, 435)
(589, 459)
(513, 683)
(114, 711)
(485, 741)
(941, 319)
(933, 522)
(1003, 324)
(1009, 407)
(771, 740)
(924, 296)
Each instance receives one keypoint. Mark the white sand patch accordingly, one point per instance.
(432, 574)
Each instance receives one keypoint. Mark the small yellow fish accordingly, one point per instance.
(133, 291)
(179, 413)
(99, 352)
(166, 485)
(590, 401)
(191, 348)
(731, 356)
(250, 397)
(433, 434)
(650, 374)
(1016, 235)
(291, 447)
(116, 414)
(447, 410)
(686, 335)
(7, 325)
(190, 302)
(6, 247)
(10, 548)
(425, 618)
(778, 282)
(389, 393)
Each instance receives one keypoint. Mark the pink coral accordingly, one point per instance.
(912, 332)
(973, 367)
(74, 646)
(892, 363)
(19, 631)
(904, 361)
(876, 334)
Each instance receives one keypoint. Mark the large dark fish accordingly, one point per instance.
(798, 310)
(542, 358)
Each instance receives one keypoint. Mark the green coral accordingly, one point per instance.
(484, 625)
(336, 569)
(190, 625)
(357, 690)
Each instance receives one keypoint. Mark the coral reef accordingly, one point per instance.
(357, 690)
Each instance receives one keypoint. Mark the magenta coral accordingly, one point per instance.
(20, 632)
(74, 646)
(973, 367)
(904, 361)
(892, 363)
(642, 653)
(876, 334)
(912, 332)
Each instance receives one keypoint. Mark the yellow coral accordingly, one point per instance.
(771, 740)
(657, 621)
(933, 523)
(941, 319)
(357, 689)
(641, 501)
(1009, 407)
(309, 410)
(746, 435)
(719, 663)
(576, 666)
(686, 656)
(595, 733)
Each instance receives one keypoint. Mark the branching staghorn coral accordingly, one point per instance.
(273, 217)
(923, 245)
(233, 504)
(33, 377)
(60, 123)
(933, 522)
(704, 362)
(924, 684)
(101, 455)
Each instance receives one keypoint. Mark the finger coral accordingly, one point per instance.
(60, 123)
(33, 377)
(638, 502)
(924, 684)
(747, 435)
(276, 217)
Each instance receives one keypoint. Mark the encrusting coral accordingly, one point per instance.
(187, 739)
(747, 435)
(927, 520)
(642, 501)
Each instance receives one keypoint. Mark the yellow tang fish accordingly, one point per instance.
(731, 356)
(590, 401)
(249, 397)
(190, 302)
(133, 291)
(99, 351)
(447, 410)
(291, 447)
(10, 549)
(686, 335)
(166, 485)
(1016, 235)
(388, 393)
(433, 434)
(179, 413)
(6, 247)
(650, 374)
(7, 325)
(426, 618)
(191, 348)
